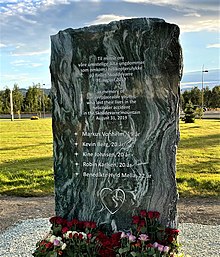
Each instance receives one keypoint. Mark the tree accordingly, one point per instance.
(186, 97)
(17, 99)
(33, 99)
(1, 101)
(182, 102)
(207, 97)
(215, 100)
(189, 113)
(196, 96)
(6, 101)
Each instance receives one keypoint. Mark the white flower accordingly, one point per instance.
(84, 235)
(74, 232)
(59, 238)
(70, 234)
(52, 238)
(63, 246)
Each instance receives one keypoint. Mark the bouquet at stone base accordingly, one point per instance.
(75, 238)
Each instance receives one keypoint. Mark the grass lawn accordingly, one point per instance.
(198, 162)
(26, 158)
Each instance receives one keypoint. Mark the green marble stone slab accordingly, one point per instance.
(115, 94)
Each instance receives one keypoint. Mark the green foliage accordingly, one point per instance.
(17, 99)
(199, 112)
(35, 100)
(189, 113)
(211, 97)
(215, 100)
(5, 99)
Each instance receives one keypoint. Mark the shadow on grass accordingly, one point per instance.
(23, 146)
(208, 167)
(203, 187)
(29, 177)
(200, 141)
(43, 163)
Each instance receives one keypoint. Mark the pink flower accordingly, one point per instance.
(132, 238)
(143, 237)
(124, 235)
(89, 236)
(155, 245)
(160, 247)
(56, 242)
(166, 249)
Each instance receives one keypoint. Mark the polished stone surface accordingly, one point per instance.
(115, 93)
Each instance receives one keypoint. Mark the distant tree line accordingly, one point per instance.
(211, 98)
(34, 101)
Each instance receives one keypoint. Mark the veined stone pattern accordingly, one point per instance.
(115, 93)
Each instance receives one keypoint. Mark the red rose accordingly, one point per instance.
(69, 224)
(42, 243)
(115, 239)
(80, 236)
(53, 220)
(81, 224)
(60, 252)
(72, 223)
(172, 231)
(58, 221)
(92, 224)
(142, 223)
(150, 214)
(64, 230)
(156, 215)
(143, 213)
(170, 239)
(48, 245)
(89, 236)
(75, 235)
(87, 224)
(135, 219)
(175, 231)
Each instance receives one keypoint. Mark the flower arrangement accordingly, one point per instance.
(147, 237)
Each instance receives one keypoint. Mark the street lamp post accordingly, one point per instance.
(202, 85)
(43, 101)
(11, 106)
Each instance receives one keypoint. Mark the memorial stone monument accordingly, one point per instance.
(115, 93)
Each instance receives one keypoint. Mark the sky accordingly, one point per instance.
(26, 27)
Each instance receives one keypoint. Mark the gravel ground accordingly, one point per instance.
(19, 240)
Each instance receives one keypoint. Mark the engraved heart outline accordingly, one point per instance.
(116, 198)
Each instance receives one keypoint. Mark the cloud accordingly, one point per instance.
(47, 51)
(199, 25)
(192, 14)
(19, 63)
(186, 4)
(2, 45)
(106, 18)
(36, 65)
(213, 45)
